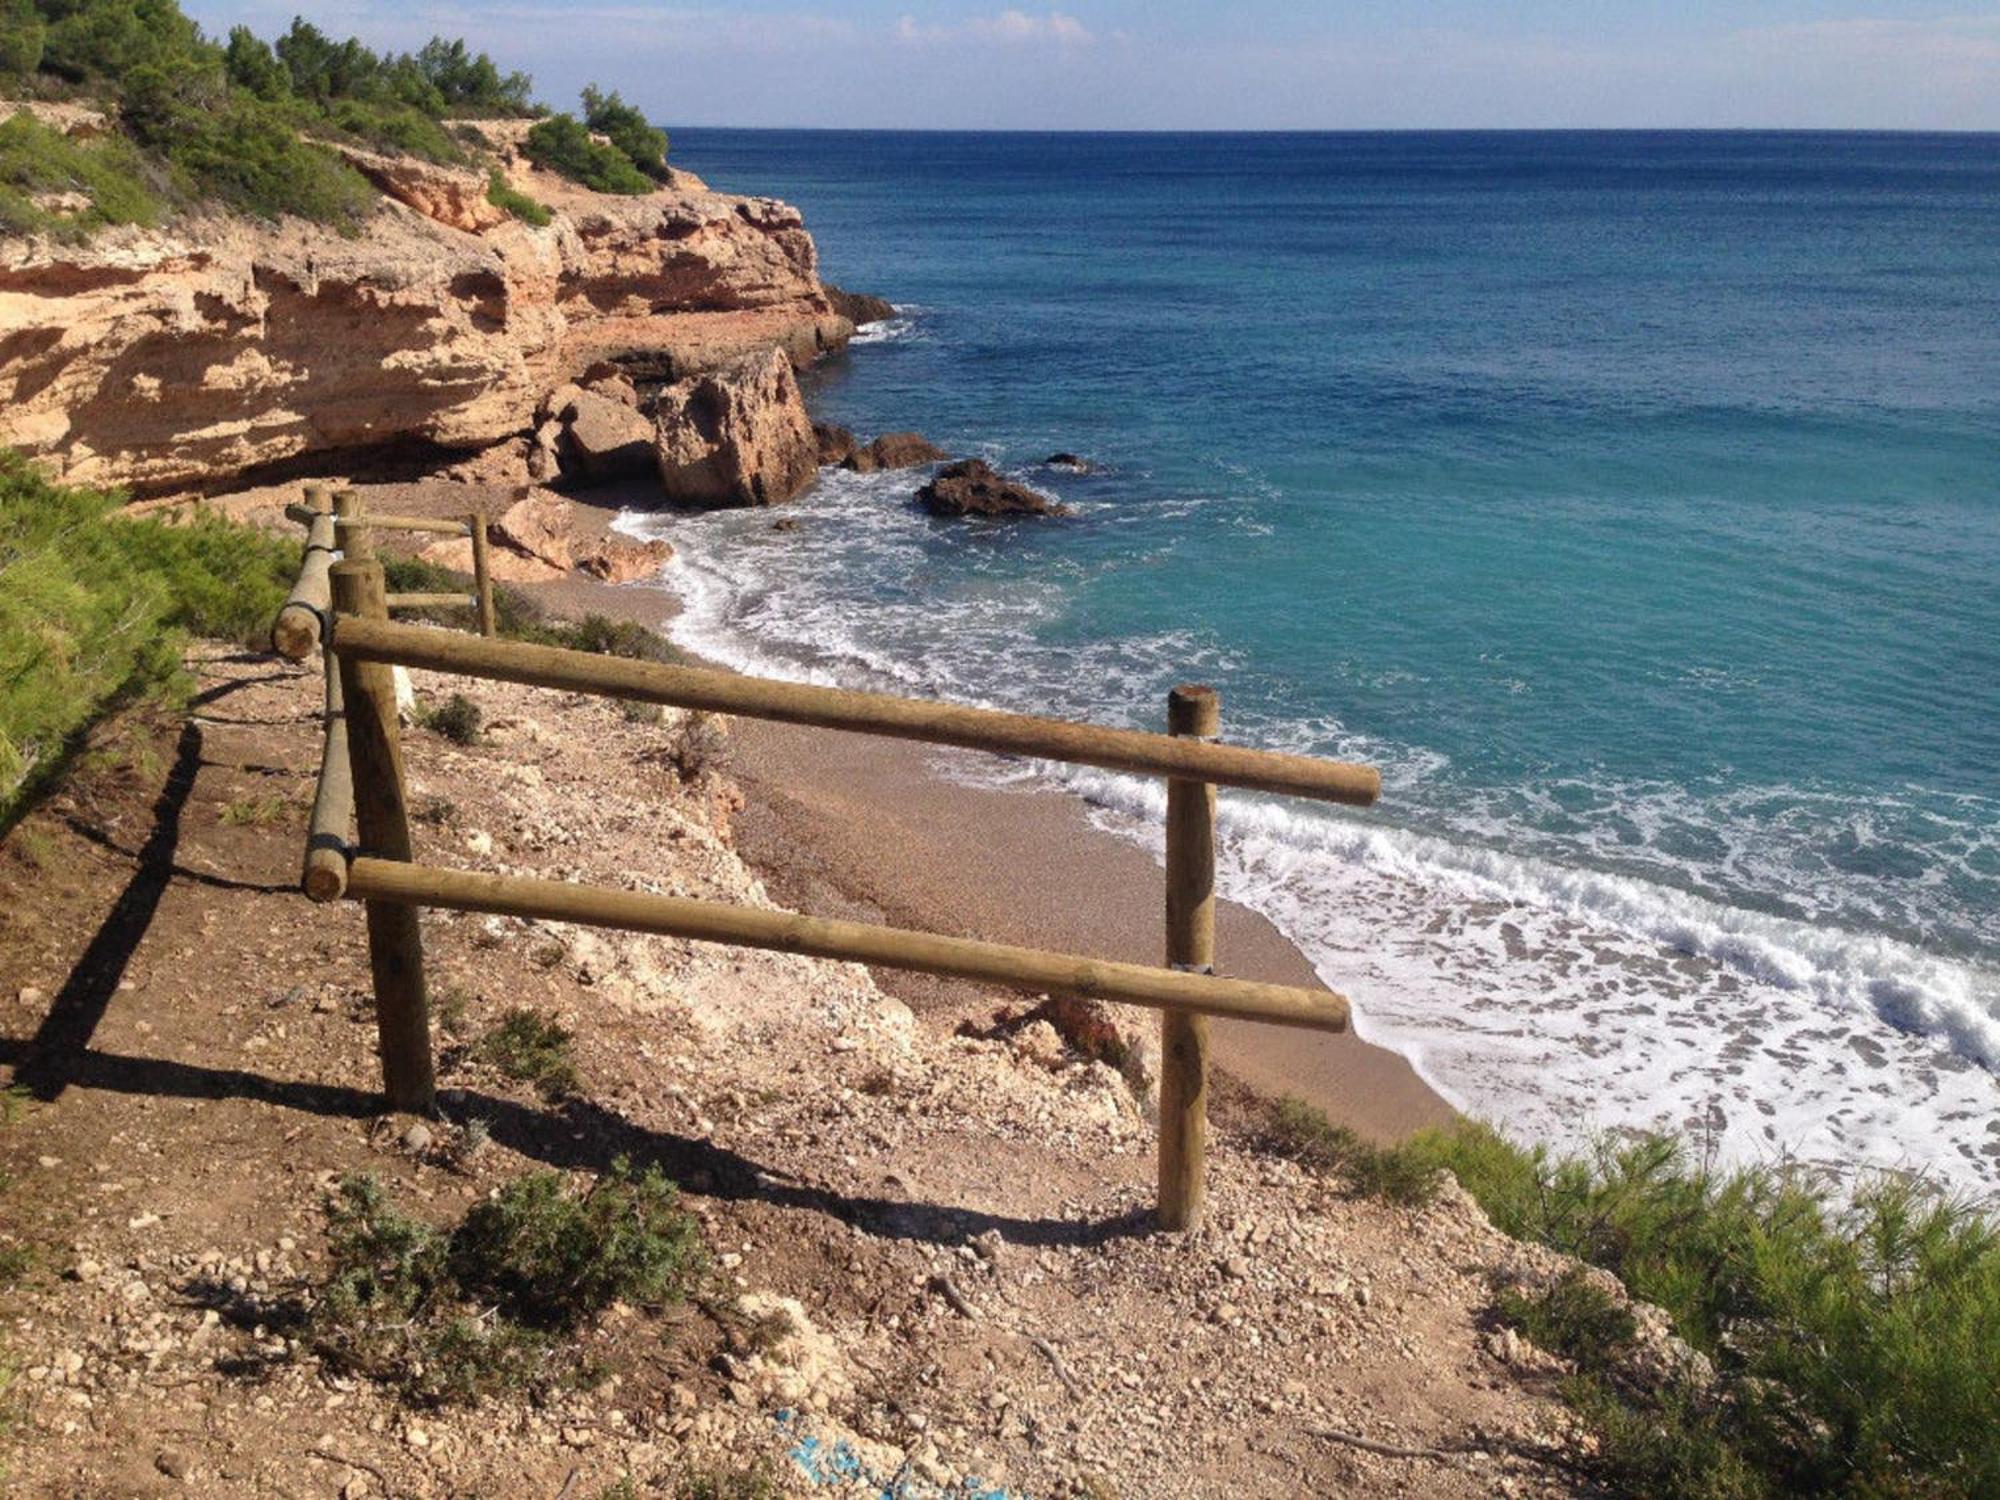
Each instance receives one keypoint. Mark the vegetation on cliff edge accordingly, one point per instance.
(242, 122)
(94, 607)
(1850, 1334)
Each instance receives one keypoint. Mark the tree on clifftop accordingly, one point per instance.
(640, 142)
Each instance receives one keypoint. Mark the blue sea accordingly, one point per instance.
(1632, 500)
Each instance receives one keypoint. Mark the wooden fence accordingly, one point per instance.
(361, 783)
(340, 525)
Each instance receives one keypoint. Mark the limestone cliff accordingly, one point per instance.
(190, 355)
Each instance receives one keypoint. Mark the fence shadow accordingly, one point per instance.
(582, 1135)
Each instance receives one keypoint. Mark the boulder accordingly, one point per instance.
(836, 443)
(895, 450)
(1068, 461)
(538, 526)
(545, 453)
(604, 438)
(617, 559)
(736, 436)
(858, 308)
(608, 379)
(972, 488)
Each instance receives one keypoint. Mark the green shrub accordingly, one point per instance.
(108, 39)
(502, 194)
(563, 145)
(469, 84)
(36, 159)
(1852, 1332)
(252, 65)
(23, 34)
(456, 719)
(452, 1316)
(93, 606)
(239, 149)
(1303, 1132)
(551, 1259)
(628, 130)
(533, 1048)
(393, 127)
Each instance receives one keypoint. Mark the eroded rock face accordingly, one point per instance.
(180, 358)
(972, 488)
(737, 436)
(452, 196)
(895, 450)
(618, 559)
(860, 308)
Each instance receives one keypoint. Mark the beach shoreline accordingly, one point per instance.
(870, 829)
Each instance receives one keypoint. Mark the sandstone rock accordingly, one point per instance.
(739, 436)
(836, 443)
(608, 379)
(972, 488)
(607, 438)
(545, 453)
(859, 308)
(174, 358)
(451, 196)
(618, 559)
(538, 526)
(894, 450)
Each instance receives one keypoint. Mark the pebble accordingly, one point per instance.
(31, 994)
(173, 1463)
(417, 1137)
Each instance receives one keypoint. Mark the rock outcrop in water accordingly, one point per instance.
(218, 347)
(736, 436)
(972, 488)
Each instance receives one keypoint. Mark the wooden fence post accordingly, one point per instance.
(481, 571)
(355, 542)
(382, 822)
(1194, 711)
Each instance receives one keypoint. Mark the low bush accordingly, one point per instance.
(532, 1048)
(502, 195)
(39, 162)
(698, 744)
(453, 1315)
(1851, 1327)
(94, 607)
(564, 145)
(457, 719)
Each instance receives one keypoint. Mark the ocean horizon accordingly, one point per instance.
(1631, 498)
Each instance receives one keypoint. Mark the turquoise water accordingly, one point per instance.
(1632, 499)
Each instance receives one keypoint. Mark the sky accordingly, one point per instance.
(1224, 64)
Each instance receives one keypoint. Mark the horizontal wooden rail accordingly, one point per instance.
(295, 634)
(867, 713)
(433, 601)
(1028, 969)
(373, 522)
(327, 839)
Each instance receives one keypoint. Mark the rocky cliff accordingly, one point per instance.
(215, 348)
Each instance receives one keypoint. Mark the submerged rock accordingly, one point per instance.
(1068, 461)
(972, 488)
(894, 450)
(836, 443)
(736, 436)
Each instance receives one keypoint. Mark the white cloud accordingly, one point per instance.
(1007, 26)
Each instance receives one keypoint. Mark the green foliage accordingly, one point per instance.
(551, 1259)
(453, 1316)
(1852, 1334)
(456, 719)
(255, 68)
(600, 636)
(23, 34)
(252, 812)
(533, 1048)
(562, 144)
(35, 159)
(393, 127)
(503, 195)
(627, 129)
(93, 607)
(108, 39)
(1298, 1130)
(239, 149)
(469, 83)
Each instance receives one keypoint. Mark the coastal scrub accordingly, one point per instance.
(94, 607)
(1850, 1330)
